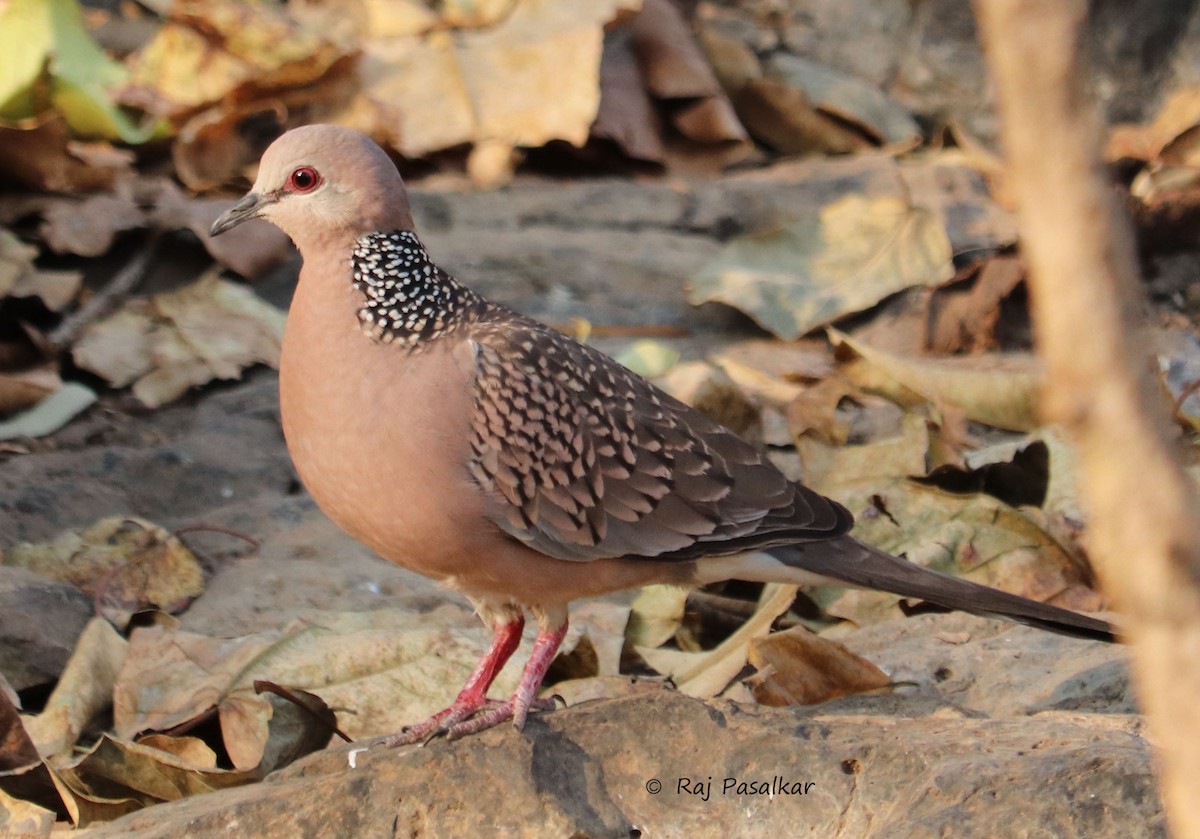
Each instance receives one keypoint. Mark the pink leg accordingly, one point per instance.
(517, 707)
(473, 696)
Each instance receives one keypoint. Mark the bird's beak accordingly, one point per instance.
(249, 207)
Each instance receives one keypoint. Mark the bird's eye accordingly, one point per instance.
(304, 179)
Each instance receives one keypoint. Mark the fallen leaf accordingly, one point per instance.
(27, 388)
(847, 98)
(674, 67)
(965, 318)
(799, 667)
(706, 674)
(250, 249)
(51, 414)
(50, 37)
(17, 749)
(815, 410)
(593, 644)
(972, 535)
(781, 116)
(648, 358)
(124, 563)
(655, 615)
(83, 691)
(24, 819)
(997, 389)
(626, 114)
(841, 258)
(89, 226)
(40, 154)
(492, 84)
(208, 50)
(211, 329)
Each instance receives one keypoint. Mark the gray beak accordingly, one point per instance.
(249, 207)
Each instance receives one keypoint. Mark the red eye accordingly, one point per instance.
(304, 179)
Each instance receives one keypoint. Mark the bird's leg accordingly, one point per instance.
(473, 696)
(516, 708)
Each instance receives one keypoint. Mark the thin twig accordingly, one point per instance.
(107, 298)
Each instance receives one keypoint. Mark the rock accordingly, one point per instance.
(665, 765)
(40, 620)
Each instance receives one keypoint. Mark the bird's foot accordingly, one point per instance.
(498, 712)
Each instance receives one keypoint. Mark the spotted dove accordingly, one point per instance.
(485, 450)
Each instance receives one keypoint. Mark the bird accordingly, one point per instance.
(478, 447)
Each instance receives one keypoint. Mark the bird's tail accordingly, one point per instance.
(850, 561)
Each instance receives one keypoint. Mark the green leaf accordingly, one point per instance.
(48, 39)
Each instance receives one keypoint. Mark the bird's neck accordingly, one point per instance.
(406, 299)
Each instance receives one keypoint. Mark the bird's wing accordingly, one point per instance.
(583, 459)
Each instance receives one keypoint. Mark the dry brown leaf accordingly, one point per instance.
(576, 691)
(706, 674)
(211, 329)
(831, 261)
(88, 227)
(798, 667)
(593, 644)
(710, 390)
(814, 411)
(17, 749)
(655, 615)
(999, 390)
(781, 116)
(40, 154)
(125, 563)
(973, 535)
(848, 98)
(84, 690)
(26, 388)
(626, 113)
(24, 819)
(532, 78)
(212, 49)
(19, 277)
(674, 67)
(1179, 113)
(965, 319)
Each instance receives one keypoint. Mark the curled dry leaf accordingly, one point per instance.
(83, 692)
(996, 389)
(966, 318)
(706, 674)
(655, 615)
(124, 563)
(176, 340)
(798, 667)
(832, 261)
(24, 819)
(212, 49)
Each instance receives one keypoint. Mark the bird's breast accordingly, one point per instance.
(380, 436)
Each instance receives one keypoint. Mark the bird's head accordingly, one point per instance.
(323, 183)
